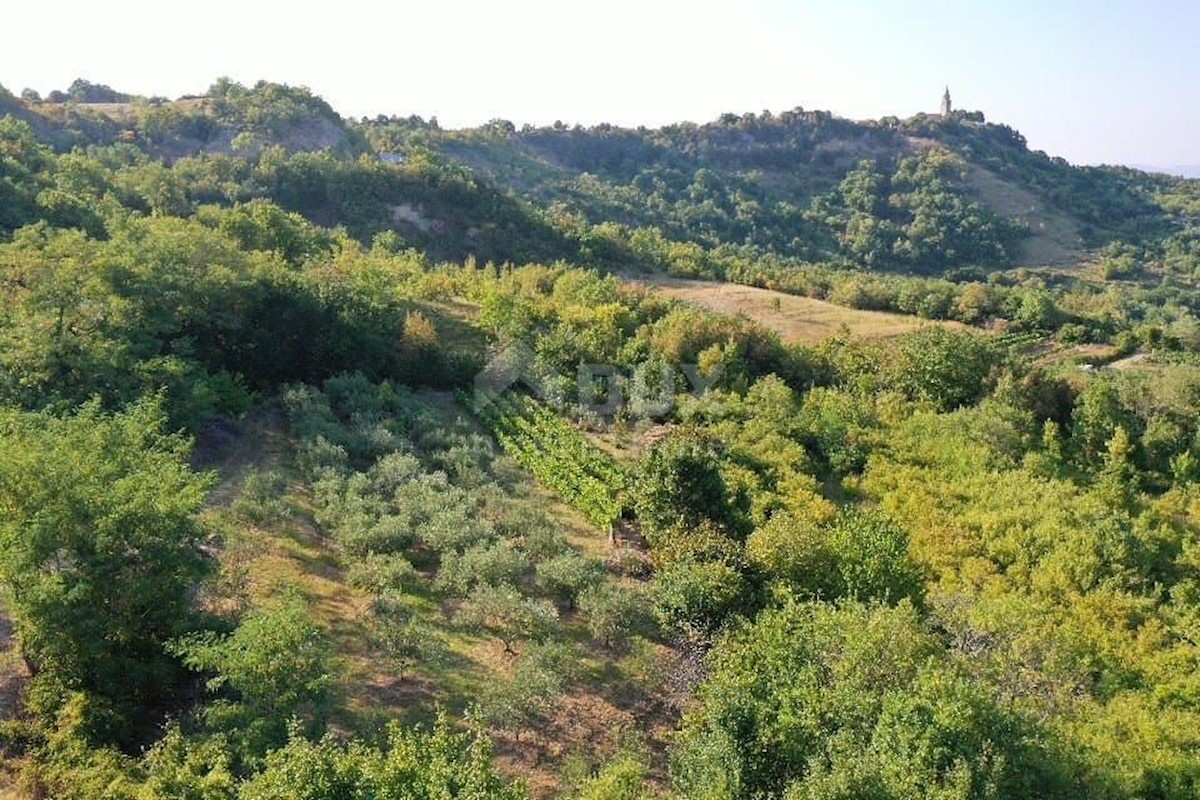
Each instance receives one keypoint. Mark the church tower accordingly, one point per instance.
(946, 108)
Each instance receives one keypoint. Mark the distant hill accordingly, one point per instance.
(229, 118)
(928, 194)
(922, 194)
(1186, 171)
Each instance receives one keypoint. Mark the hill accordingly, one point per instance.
(229, 118)
(939, 217)
(369, 460)
(928, 194)
(923, 194)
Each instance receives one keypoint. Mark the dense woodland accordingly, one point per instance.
(262, 535)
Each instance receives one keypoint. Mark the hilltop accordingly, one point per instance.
(228, 118)
(931, 194)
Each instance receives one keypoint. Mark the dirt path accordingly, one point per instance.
(1130, 362)
(232, 447)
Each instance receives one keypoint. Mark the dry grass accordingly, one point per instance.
(798, 320)
(1054, 238)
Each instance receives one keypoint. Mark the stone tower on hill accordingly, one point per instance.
(946, 108)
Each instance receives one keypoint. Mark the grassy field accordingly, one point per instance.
(798, 320)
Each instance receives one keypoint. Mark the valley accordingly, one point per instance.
(777, 456)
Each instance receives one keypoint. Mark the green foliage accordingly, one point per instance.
(568, 576)
(921, 216)
(872, 557)
(262, 225)
(622, 778)
(812, 694)
(23, 160)
(381, 573)
(175, 304)
(1025, 538)
(101, 552)
(188, 769)
(404, 642)
(506, 614)
(680, 484)
(944, 739)
(267, 108)
(614, 613)
(277, 664)
(838, 426)
(698, 598)
(413, 765)
(492, 563)
(542, 674)
(796, 551)
(261, 498)
(1097, 416)
(945, 368)
(556, 453)
(861, 555)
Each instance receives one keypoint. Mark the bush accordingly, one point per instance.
(697, 599)
(381, 573)
(261, 500)
(614, 612)
(404, 641)
(507, 614)
(568, 575)
(276, 664)
(486, 563)
(413, 765)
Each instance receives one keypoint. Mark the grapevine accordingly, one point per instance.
(556, 453)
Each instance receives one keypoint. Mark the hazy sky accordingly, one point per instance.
(1092, 81)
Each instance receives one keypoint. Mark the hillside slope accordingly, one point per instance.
(793, 185)
(929, 195)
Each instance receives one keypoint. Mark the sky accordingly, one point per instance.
(1093, 81)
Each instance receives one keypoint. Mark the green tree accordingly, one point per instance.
(614, 612)
(99, 552)
(1117, 482)
(541, 675)
(796, 550)
(872, 557)
(1097, 415)
(946, 368)
(856, 701)
(277, 664)
(507, 614)
(862, 555)
(622, 778)
(680, 485)
(491, 563)
(403, 640)
(568, 575)
(698, 598)
(24, 163)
